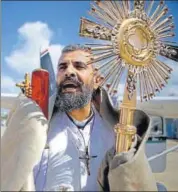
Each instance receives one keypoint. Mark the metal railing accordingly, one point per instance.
(163, 153)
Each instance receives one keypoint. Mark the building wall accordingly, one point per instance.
(172, 128)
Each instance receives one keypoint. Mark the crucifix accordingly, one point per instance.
(87, 159)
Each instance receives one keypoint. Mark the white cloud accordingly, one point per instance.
(8, 85)
(170, 91)
(32, 38)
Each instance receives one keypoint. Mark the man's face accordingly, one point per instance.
(74, 65)
(75, 80)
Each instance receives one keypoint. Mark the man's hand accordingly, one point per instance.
(112, 161)
(127, 171)
(124, 157)
(22, 143)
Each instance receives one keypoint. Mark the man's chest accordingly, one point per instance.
(68, 164)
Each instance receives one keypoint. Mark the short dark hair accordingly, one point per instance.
(76, 47)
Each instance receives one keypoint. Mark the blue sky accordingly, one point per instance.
(26, 24)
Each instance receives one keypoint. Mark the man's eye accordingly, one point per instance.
(62, 67)
(80, 65)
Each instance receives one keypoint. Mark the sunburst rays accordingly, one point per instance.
(135, 34)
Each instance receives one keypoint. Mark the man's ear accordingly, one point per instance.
(97, 80)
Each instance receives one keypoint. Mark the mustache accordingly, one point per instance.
(74, 80)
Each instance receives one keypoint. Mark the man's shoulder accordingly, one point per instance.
(51, 105)
(58, 120)
(105, 107)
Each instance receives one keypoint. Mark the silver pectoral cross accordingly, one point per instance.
(87, 159)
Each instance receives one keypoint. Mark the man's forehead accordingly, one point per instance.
(77, 55)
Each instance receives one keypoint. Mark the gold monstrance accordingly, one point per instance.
(135, 33)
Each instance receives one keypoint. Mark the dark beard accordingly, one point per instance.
(66, 102)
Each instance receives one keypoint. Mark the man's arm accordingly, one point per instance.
(129, 171)
(22, 144)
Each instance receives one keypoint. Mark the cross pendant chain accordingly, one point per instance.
(87, 159)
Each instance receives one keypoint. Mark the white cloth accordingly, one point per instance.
(22, 144)
(60, 166)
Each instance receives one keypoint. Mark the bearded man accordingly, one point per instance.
(73, 151)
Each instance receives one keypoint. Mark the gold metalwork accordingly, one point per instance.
(26, 86)
(136, 42)
(135, 36)
(91, 29)
(125, 130)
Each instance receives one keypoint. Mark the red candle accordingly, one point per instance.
(40, 89)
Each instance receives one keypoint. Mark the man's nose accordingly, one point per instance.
(70, 72)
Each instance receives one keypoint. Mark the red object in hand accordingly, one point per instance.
(40, 89)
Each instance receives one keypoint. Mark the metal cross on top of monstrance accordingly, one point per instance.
(135, 34)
